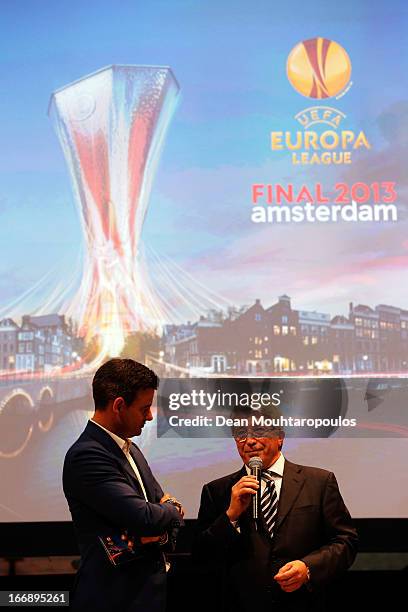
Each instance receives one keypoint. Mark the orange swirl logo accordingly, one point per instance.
(318, 68)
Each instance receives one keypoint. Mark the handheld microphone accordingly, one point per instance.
(255, 464)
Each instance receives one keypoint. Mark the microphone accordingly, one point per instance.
(255, 464)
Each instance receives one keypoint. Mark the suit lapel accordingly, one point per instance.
(145, 472)
(96, 432)
(130, 472)
(292, 484)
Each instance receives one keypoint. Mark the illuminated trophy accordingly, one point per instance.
(111, 126)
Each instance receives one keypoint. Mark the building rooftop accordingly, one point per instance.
(314, 316)
(363, 308)
(8, 324)
(50, 320)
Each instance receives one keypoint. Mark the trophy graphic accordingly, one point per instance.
(111, 126)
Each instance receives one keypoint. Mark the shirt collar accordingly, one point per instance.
(276, 468)
(123, 444)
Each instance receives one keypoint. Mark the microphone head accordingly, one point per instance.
(255, 463)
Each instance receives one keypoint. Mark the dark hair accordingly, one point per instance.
(121, 378)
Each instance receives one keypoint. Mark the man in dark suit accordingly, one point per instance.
(303, 538)
(114, 497)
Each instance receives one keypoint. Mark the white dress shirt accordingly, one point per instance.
(276, 472)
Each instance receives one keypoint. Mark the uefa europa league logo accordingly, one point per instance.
(318, 68)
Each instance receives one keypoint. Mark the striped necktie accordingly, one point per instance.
(269, 502)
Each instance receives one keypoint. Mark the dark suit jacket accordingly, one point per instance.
(105, 497)
(312, 524)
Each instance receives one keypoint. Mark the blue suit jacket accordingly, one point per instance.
(105, 497)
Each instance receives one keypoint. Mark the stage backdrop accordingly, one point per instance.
(218, 190)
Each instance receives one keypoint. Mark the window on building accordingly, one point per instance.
(21, 347)
(29, 347)
(276, 330)
(258, 317)
(285, 330)
(314, 340)
(358, 321)
(306, 340)
(293, 330)
(284, 319)
(26, 336)
(218, 363)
